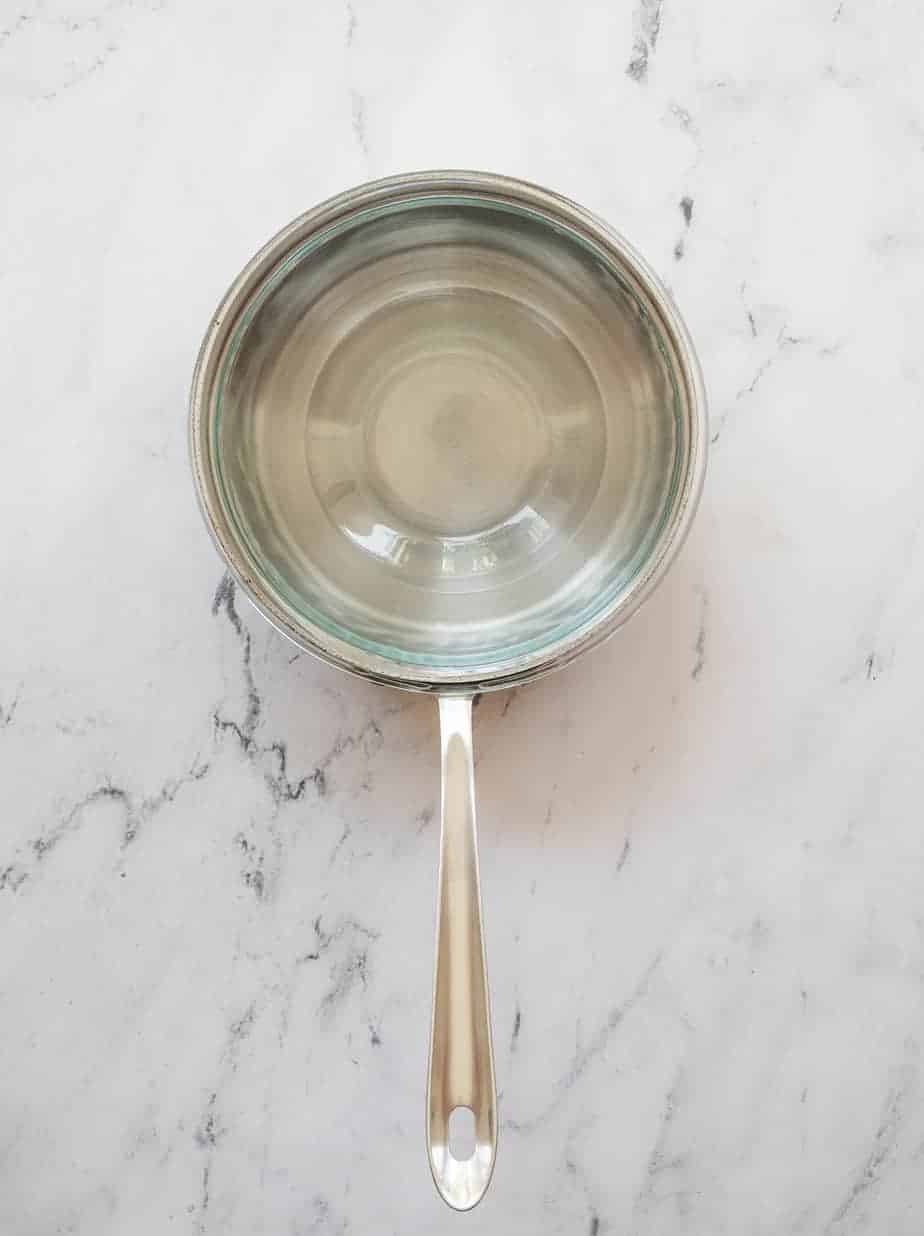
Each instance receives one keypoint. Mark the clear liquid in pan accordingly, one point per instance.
(448, 434)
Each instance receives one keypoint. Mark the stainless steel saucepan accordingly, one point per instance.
(448, 432)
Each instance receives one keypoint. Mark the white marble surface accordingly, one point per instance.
(703, 855)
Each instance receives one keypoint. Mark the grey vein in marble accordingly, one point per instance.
(517, 1027)
(647, 22)
(686, 210)
(137, 812)
(8, 712)
(358, 114)
(586, 1054)
(699, 647)
(880, 1153)
(351, 23)
(660, 1160)
(350, 941)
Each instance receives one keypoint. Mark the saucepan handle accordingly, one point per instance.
(461, 1057)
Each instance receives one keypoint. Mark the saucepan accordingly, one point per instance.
(448, 431)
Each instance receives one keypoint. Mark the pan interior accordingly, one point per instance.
(447, 432)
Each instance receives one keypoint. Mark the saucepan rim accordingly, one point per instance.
(691, 466)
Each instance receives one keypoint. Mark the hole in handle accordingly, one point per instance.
(461, 1133)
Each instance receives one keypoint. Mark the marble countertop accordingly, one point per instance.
(702, 847)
